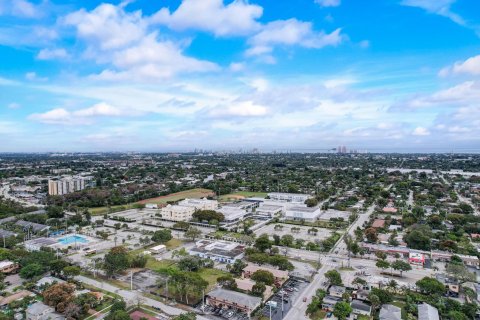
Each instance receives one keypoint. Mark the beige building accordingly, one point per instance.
(200, 204)
(177, 213)
(66, 185)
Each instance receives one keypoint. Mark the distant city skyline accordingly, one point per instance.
(160, 76)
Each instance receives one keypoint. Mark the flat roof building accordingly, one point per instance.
(280, 275)
(200, 204)
(232, 214)
(177, 213)
(269, 210)
(289, 197)
(220, 251)
(39, 243)
(223, 298)
(309, 214)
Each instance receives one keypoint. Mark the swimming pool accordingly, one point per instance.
(72, 239)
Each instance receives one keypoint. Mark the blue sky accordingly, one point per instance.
(165, 75)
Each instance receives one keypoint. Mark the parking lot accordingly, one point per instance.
(269, 229)
(280, 303)
(225, 313)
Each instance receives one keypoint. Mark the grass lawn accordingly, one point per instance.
(211, 275)
(320, 314)
(173, 244)
(192, 194)
(240, 195)
(154, 264)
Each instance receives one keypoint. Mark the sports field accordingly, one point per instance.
(241, 195)
(191, 194)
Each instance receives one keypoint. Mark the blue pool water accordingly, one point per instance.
(72, 239)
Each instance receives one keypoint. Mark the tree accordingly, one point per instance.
(57, 266)
(371, 235)
(138, 261)
(59, 296)
(333, 276)
(431, 286)
(190, 263)
(460, 272)
(118, 315)
(374, 300)
(55, 212)
(71, 271)
(237, 267)
(193, 233)
(258, 289)
(359, 282)
(263, 276)
(162, 236)
(287, 240)
(31, 270)
(186, 316)
(382, 264)
(208, 215)
(116, 260)
(342, 310)
(401, 266)
(419, 237)
(263, 243)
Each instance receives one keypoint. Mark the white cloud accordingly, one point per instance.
(21, 9)
(107, 26)
(240, 109)
(236, 66)
(52, 54)
(439, 7)
(290, 33)
(328, 3)
(122, 41)
(78, 117)
(236, 18)
(33, 76)
(421, 131)
(470, 66)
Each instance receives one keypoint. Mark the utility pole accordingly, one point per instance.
(4, 244)
(270, 305)
(282, 303)
(131, 280)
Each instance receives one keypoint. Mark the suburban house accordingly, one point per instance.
(427, 312)
(329, 302)
(360, 308)
(337, 291)
(361, 294)
(279, 275)
(390, 312)
(223, 298)
(40, 311)
(17, 296)
(47, 281)
(8, 266)
(220, 251)
(33, 227)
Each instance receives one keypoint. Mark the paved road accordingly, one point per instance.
(299, 307)
(133, 297)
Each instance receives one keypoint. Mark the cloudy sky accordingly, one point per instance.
(174, 75)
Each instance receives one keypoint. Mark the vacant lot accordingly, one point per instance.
(241, 195)
(191, 194)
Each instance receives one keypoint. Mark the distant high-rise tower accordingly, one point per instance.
(344, 149)
(339, 149)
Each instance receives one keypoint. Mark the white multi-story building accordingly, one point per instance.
(66, 185)
(289, 197)
(309, 214)
(221, 251)
(177, 213)
(200, 204)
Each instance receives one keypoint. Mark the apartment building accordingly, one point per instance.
(66, 185)
(177, 213)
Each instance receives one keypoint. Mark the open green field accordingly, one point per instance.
(240, 195)
(191, 194)
(103, 210)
